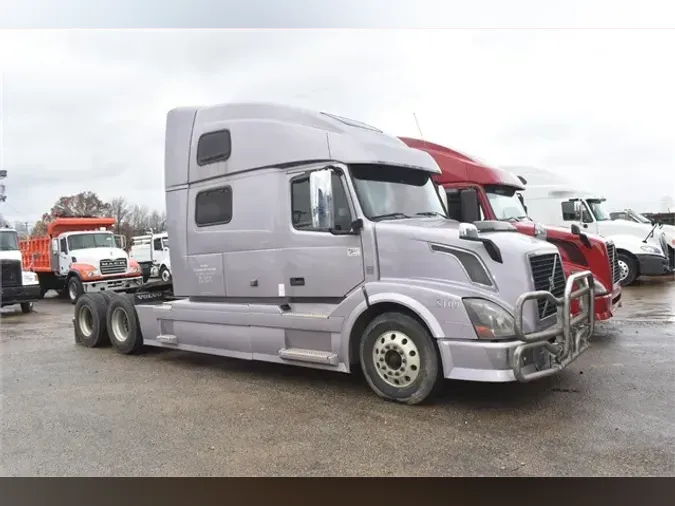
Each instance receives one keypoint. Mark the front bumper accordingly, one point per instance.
(18, 294)
(605, 305)
(653, 265)
(116, 285)
(530, 356)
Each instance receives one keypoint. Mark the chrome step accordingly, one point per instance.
(304, 355)
(167, 339)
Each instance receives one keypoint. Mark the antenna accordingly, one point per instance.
(418, 126)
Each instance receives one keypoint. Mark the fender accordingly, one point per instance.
(425, 315)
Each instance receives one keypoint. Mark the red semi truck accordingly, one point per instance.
(499, 199)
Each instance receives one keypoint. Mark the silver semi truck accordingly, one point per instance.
(304, 238)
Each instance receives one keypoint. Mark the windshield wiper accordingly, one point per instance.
(431, 213)
(389, 215)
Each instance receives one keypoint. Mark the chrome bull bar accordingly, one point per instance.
(570, 333)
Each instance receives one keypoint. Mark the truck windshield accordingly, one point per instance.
(9, 241)
(98, 240)
(505, 203)
(387, 192)
(639, 218)
(598, 209)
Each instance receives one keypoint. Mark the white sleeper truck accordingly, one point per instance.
(151, 251)
(17, 286)
(642, 249)
(308, 239)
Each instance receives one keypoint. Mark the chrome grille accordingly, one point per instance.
(117, 266)
(547, 274)
(613, 262)
(10, 273)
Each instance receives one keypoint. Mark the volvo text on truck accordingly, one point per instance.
(151, 251)
(17, 286)
(498, 199)
(304, 238)
(642, 249)
(80, 255)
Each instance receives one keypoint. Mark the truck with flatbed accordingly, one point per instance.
(17, 286)
(305, 238)
(499, 198)
(79, 255)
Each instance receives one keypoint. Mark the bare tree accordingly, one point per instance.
(119, 209)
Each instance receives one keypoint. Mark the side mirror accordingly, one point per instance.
(443, 196)
(575, 229)
(321, 198)
(469, 203)
(523, 180)
(578, 210)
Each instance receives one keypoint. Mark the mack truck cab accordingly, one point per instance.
(17, 286)
(80, 255)
(305, 238)
(642, 249)
(499, 198)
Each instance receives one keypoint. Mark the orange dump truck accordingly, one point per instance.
(80, 255)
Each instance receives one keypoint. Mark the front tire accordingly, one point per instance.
(165, 274)
(400, 359)
(123, 325)
(26, 307)
(628, 268)
(74, 290)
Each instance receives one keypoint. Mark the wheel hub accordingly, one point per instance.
(396, 359)
(624, 270)
(86, 321)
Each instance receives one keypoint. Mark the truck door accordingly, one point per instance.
(569, 216)
(320, 264)
(64, 259)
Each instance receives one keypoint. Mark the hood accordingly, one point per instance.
(625, 227)
(95, 255)
(10, 255)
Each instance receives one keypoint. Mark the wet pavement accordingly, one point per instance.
(68, 410)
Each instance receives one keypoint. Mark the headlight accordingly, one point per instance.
(92, 273)
(489, 320)
(135, 268)
(651, 249)
(29, 278)
(599, 287)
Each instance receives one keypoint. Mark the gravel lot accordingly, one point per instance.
(67, 410)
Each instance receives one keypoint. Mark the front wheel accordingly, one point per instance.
(400, 359)
(74, 289)
(165, 274)
(628, 269)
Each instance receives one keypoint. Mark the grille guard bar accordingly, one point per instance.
(571, 333)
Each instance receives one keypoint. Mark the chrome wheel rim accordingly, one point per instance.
(623, 270)
(86, 321)
(165, 275)
(396, 359)
(120, 324)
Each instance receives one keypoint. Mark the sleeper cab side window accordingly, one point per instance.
(214, 147)
(213, 206)
(157, 244)
(301, 216)
(568, 213)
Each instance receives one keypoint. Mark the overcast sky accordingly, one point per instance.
(85, 110)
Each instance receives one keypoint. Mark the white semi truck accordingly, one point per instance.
(303, 238)
(642, 249)
(151, 251)
(17, 286)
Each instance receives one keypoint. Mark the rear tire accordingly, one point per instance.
(90, 320)
(123, 326)
(400, 359)
(74, 290)
(628, 268)
(26, 307)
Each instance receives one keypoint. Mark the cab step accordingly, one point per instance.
(305, 355)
